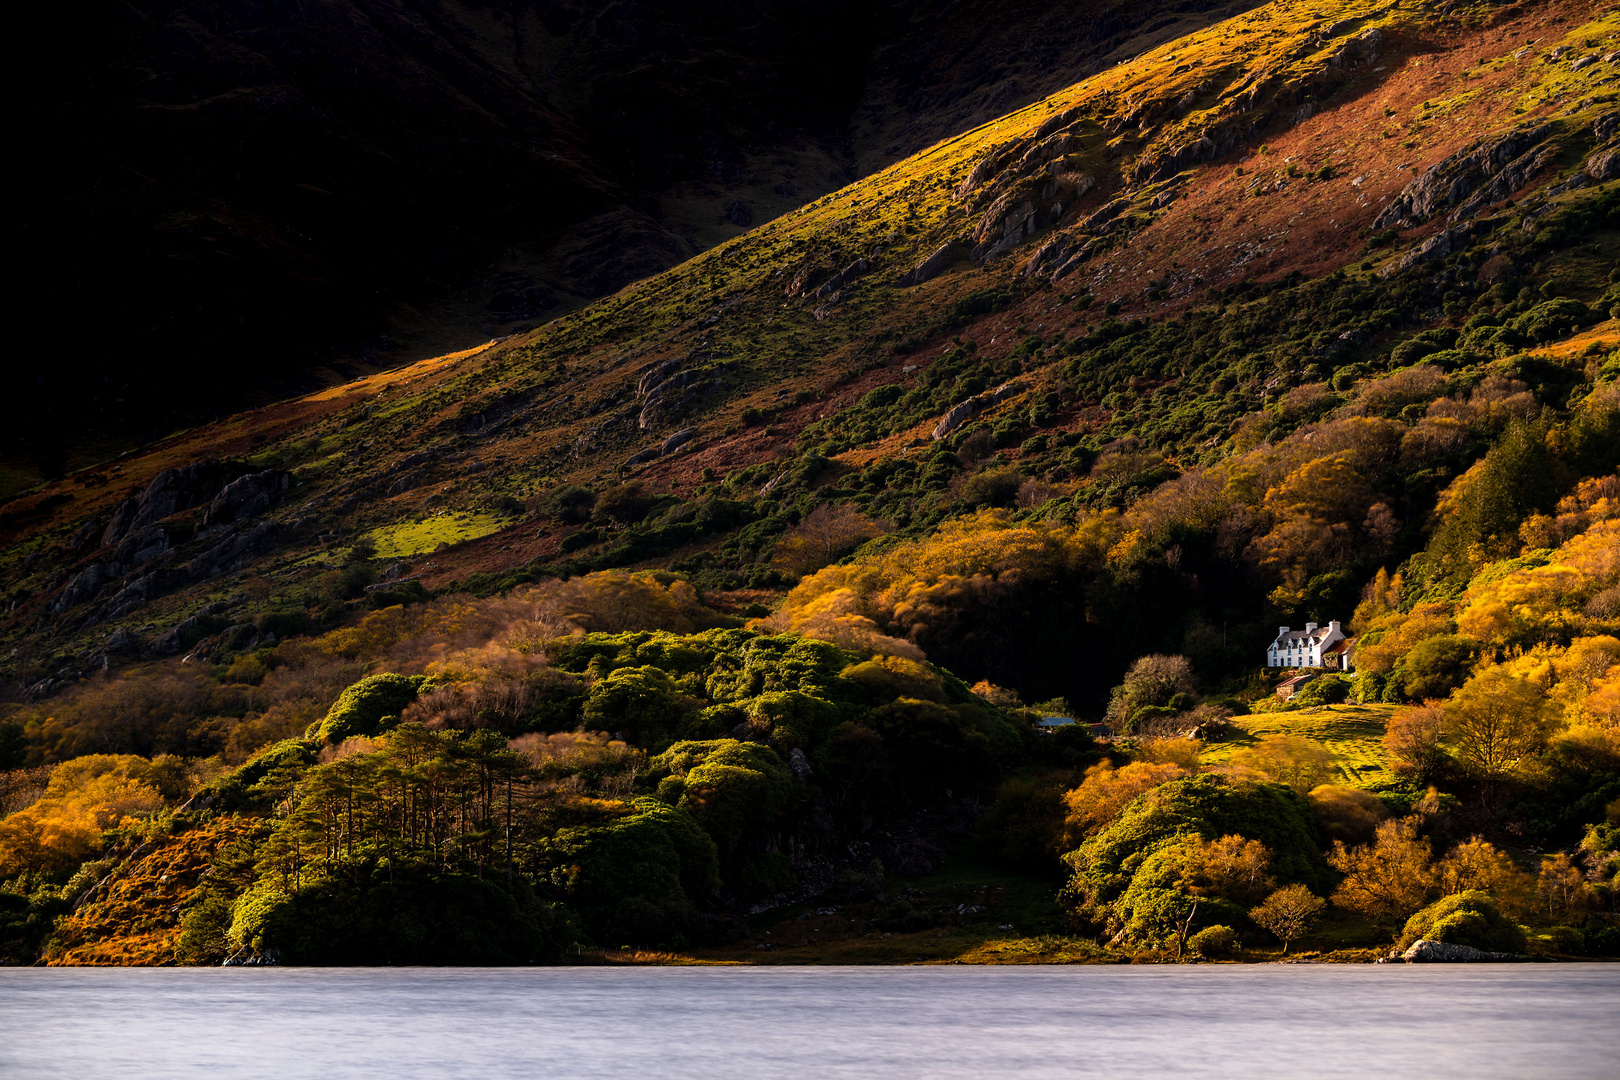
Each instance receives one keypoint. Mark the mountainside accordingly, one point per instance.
(319, 190)
(1286, 141)
(758, 590)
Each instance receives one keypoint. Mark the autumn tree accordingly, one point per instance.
(1563, 889)
(1233, 867)
(827, 534)
(1156, 681)
(1294, 760)
(1288, 913)
(1477, 865)
(1494, 722)
(1346, 813)
(1105, 791)
(1413, 741)
(1387, 880)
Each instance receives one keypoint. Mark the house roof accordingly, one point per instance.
(1296, 680)
(1302, 637)
(1057, 721)
(1343, 646)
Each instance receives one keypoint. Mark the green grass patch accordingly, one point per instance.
(410, 538)
(1354, 734)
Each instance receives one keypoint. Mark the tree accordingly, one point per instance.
(1346, 813)
(1153, 681)
(826, 534)
(624, 504)
(1467, 918)
(1294, 760)
(1435, 666)
(1477, 865)
(1563, 888)
(1495, 721)
(1233, 867)
(1413, 741)
(1387, 880)
(1106, 791)
(1288, 913)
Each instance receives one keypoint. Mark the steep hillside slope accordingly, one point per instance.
(1380, 169)
(319, 190)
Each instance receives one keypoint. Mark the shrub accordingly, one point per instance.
(1347, 814)
(1214, 942)
(1469, 918)
(362, 708)
(1327, 690)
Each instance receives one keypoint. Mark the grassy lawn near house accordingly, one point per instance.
(1354, 733)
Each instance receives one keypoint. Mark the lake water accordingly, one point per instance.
(1524, 1022)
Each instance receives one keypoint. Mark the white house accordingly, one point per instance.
(1314, 646)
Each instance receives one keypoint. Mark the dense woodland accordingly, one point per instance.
(814, 684)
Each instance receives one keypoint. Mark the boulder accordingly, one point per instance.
(1441, 952)
(963, 412)
(933, 266)
(677, 440)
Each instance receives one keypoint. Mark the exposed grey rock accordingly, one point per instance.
(119, 525)
(85, 584)
(1486, 172)
(657, 374)
(831, 287)
(1361, 49)
(963, 412)
(800, 764)
(1106, 215)
(677, 440)
(1604, 164)
(934, 265)
(246, 497)
(231, 551)
(671, 398)
(1436, 247)
(1441, 952)
(410, 480)
(1010, 220)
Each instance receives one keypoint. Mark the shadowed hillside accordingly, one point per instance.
(315, 191)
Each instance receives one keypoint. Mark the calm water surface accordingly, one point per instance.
(1530, 1022)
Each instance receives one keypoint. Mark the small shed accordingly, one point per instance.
(1289, 687)
(1052, 723)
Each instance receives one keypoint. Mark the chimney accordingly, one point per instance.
(1310, 628)
(1282, 631)
(1334, 627)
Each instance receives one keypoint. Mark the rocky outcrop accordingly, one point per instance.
(86, 583)
(1604, 164)
(669, 389)
(1436, 247)
(937, 262)
(245, 497)
(170, 492)
(1442, 952)
(973, 406)
(676, 441)
(1488, 171)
